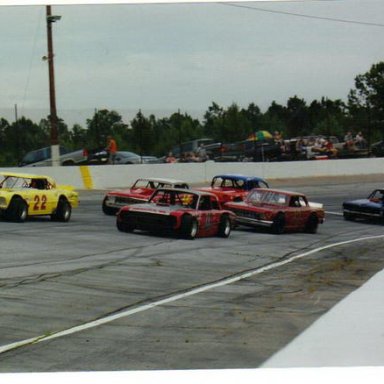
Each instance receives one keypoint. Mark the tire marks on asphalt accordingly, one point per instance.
(178, 296)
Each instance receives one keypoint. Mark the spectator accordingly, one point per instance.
(277, 137)
(329, 148)
(318, 145)
(349, 141)
(170, 158)
(111, 149)
(300, 147)
(360, 141)
(202, 153)
(348, 138)
(190, 157)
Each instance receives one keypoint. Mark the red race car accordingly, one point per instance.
(140, 192)
(278, 210)
(185, 213)
(228, 187)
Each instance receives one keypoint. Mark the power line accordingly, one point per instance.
(31, 59)
(366, 23)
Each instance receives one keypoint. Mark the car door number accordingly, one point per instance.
(40, 203)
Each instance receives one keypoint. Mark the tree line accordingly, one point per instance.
(147, 135)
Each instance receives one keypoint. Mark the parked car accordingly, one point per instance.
(139, 192)
(233, 187)
(278, 210)
(189, 146)
(377, 149)
(122, 157)
(185, 213)
(42, 157)
(23, 195)
(125, 157)
(246, 150)
(371, 207)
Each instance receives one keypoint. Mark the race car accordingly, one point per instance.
(185, 213)
(228, 187)
(371, 207)
(278, 210)
(139, 192)
(24, 195)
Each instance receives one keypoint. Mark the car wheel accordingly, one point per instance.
(108, 210)
(348, 216)
(278, 225)
(17, 210)
(63, 211)
(312, 224)
(224, 226)
(124, 226)
(189, 227)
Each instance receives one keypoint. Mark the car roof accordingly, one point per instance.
(162, 180)
(28, 176)
(25, 176)
(239, 177)
(185, 191)
(290, 193)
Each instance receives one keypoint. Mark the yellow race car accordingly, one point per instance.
(23, 195)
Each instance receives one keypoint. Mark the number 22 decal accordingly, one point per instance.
(40, 203)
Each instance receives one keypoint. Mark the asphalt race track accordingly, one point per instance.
(81, 296)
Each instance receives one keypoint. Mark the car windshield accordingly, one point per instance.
(17, 182)
(377, 195)
(227, 183)
(155, 184)
(172, 198)
(13, 182)
(257, 197)
(144, 183)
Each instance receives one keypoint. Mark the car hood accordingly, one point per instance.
(157, 209)
(138, 192)
(258, 207)
(363, 203)
(224, 192)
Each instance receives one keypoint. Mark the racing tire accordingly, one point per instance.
(108, 210)
(63, 211)
(312, 224)
(348, 216)
(224, 226)
(278, 225)
(124, 226)
(189, 227)
(17, 210)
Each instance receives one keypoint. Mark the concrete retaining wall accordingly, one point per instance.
(117, 176)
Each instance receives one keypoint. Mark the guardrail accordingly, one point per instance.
(119, 176)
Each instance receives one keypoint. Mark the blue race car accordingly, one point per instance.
(369, 208)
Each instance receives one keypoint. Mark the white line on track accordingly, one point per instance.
(145, 307)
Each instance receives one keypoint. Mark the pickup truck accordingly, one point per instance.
(42, 157)
(247, 150)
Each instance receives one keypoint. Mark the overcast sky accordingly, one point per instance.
(163, 57)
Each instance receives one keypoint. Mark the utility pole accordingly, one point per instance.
(55, 151)
(17, 134)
